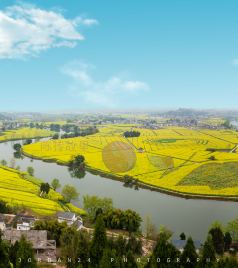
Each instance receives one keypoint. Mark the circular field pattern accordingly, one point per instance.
(161, 162)
(118, 157)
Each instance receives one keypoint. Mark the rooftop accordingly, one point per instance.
(66, 215)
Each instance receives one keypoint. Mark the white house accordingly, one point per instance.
(24, 226)
(70, 218)
(25, 223)
(67, 217)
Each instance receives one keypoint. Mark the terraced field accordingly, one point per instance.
(19, 189)
(164, 158)
(24, 133)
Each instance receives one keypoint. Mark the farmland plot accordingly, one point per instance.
(163, 158)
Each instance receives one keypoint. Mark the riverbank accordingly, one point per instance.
(22, 191)
(24, 134)
(142, 184)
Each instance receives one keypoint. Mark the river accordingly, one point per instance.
(193, 217)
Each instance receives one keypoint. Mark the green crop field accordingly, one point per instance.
(215, 175)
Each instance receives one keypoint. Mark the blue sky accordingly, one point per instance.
(100, 55)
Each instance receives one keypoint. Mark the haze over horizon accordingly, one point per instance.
(91, 56)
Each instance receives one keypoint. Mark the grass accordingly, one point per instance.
(160, 164)
(21, 190)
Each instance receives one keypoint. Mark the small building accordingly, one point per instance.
(180, 244)
(78, 224)
(23, 226)
(25, 222)
(68, 217)
(45, 249)
(7, 221)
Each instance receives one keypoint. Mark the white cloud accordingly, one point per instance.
(135, 85)
(85, 21)
(235, 62)
(27, 30)
(106, 93)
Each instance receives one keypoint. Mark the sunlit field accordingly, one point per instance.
(24, 133)
(174, 158)
(21, 190)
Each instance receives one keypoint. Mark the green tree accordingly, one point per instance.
(230, 262)
(208, 253)
(4, 254)
(182, 236)
(130, 260)
(165, 232)
(3, 162)
(77, 161)
(166, 252)
(151, 232)
(55, 136)
(77, 166)
(30, 171)
(45, 187)
(189, 255)
(53, 227)
(120, 245)
(69, 241)
(227, 241)
(99, 242)
(109, 259)
(227, 124)
(69, 193)
(25, 253)
(83, 248)
(55, 184)
(217, 239)
(13, 253)
(232, 228)
(134, 244)
(27, 141)
(3, 207)
(93, 203)
(17, 147)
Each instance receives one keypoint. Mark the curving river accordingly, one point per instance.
(193, 217)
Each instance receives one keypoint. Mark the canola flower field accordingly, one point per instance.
(24, 133)
(19, 189)
(178, 159)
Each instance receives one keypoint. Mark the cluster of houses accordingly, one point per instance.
(14, 226)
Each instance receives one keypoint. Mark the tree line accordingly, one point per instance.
(131, 134)
(100, 250)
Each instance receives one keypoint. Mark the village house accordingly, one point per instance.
(25, 222)
(67, 217)
(45, 249)
(6, 221)
(71, 219)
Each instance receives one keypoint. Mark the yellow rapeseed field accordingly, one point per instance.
(24, 133)
(19, 189)
(165, 158)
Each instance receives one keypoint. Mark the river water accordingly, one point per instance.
(193, 217)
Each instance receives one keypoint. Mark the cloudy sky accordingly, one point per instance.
(89, 54)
